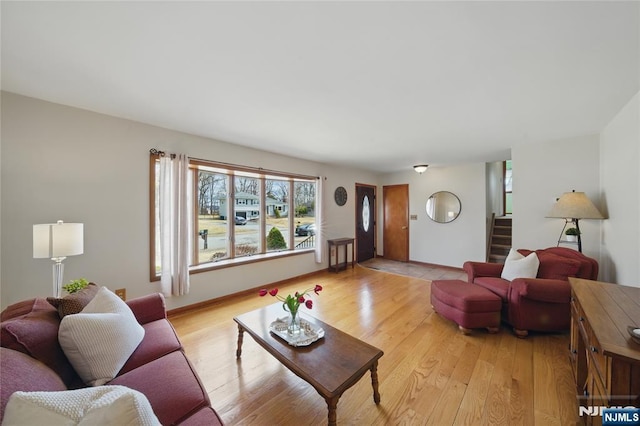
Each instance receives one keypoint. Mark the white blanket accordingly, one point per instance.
(101, 405)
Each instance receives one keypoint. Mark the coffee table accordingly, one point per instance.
(331, 365)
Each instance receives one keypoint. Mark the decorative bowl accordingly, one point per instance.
(310, 333)
(634, 332)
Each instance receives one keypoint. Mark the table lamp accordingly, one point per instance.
(57, 241)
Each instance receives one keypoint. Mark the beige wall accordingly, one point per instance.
(620, 186)
(542, 172)
(495, 188)
(66, 163)
(453, 243)
(605, 166)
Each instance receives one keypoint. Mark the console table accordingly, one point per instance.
(337, 243)
(604, 358)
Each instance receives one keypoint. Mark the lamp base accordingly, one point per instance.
(58, 273)
(567, 238)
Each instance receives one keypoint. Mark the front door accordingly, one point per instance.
(395, 200)
(365, 222)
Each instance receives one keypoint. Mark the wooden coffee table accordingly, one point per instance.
(331, 365)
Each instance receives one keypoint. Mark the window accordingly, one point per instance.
(241, 214)
(365, 213)
(508, 187)
(276, 208)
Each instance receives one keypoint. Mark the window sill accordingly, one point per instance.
(245, 260)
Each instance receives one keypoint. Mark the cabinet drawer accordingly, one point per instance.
(592, 346)
(576, 309)
(597, 397)
(594, 350)
(577, 314)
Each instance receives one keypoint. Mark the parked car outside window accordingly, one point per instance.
(241, 220)
(307, 229)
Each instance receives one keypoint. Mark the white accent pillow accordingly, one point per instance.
(102, 405)
(99, 340)
(518, 266)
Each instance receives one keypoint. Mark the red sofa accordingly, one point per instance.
(541, 303)
(31, 359)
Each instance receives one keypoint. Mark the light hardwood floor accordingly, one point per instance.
(430, 373)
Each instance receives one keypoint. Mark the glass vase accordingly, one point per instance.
(293, 326)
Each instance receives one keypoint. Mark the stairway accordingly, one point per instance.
(500, 239)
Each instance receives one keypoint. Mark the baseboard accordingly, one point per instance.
(431, 265)
(218, 300)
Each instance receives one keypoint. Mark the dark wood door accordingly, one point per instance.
(395, 200)
(365, 222)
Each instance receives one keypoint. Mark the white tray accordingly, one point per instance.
(309, 333)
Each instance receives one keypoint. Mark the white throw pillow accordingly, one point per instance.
(518, 266)
(99, 340)
(102, 405)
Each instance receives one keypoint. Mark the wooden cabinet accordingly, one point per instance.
(604, 358)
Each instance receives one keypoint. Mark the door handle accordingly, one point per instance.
(404, 227)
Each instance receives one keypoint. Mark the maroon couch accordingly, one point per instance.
(31, 359)
(541, 303)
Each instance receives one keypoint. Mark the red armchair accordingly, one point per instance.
(541, 303)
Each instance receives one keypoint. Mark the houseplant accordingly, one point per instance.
(74, 286)
(291, 304)
(572, 234)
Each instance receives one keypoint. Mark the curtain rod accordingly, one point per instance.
(157, 152)
(154, 151)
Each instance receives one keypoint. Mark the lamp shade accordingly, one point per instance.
(421, 168)
(51, 240)
(574, 205)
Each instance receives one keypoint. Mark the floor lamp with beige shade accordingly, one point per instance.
(573, 206)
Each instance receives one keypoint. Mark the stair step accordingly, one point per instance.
(498, 256)
(502, 235)
(504, 252)
(501, 246)
(500, 243)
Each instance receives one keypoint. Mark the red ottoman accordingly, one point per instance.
(468, 305)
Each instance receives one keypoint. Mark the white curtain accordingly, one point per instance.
(174, 224)
(319, 231)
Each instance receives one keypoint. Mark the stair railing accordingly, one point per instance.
(490, 236)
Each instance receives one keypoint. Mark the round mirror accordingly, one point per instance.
(443, 207)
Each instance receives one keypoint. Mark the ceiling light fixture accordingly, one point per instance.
(420, 168)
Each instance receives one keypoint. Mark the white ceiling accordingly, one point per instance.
(374, 85)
